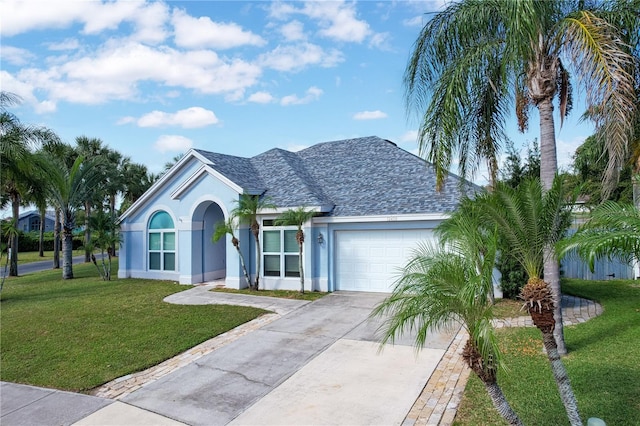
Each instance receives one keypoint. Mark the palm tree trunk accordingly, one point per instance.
(87, 231)
(244, 266)
(257, 238)
(15, 207)
(562, 379)
(67, 251)
(501, 404)
(56, 241)
(112, 208)
(548, 169)
(41, 239)
(301, 269)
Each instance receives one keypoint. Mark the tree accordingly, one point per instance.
(229, 227)
(246, 210)
(613, 230)
(17, 142)
(105, 237)
(440, 287)
(69, 188)
(8, 232)
(137, 181)
(477, 58)
(531, 220)
(297, 217)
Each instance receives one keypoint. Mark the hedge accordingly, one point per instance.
(30, 241)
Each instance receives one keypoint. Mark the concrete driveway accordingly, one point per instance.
(319, 363)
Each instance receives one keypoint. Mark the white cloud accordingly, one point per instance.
(295, 58)
(96, 17)
(296, 147)
(566, 150)
(293, 31)
(416, 21)
(16, 55)
(380, 41)
(126, 120)
(68, 44)
(261, 98)
(167, 143)
(25, 90)
(312, 94)
(116, 70)
(193, 32)
(189, 118)
(369, 115)
(409, 136)
(337, 20)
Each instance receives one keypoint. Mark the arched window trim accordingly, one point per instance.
(161, 242)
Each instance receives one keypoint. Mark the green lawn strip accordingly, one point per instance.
(602, 365)
(78, 334)
(283, 294)
(507, 308)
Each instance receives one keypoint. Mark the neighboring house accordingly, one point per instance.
(30, 221)
(374, 201)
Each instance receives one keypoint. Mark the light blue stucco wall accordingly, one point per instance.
(194, 208)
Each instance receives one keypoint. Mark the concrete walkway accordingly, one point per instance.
(308, 363)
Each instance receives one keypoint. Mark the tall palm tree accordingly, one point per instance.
(613, 230)
(531, 220)
(476, 59)
(90, 148)
(297, 217)
(68, 188)
(17, 142)
(137, 181)
(439, 288)
(246, 210)
(229, 226)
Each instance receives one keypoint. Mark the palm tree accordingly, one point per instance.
(17, 141)
(229, 227)
(477, 58)
(246, 210)
(613, 230)
(137, 181)
(105, 238)
(442, 287)
(69, 188)
(531, 220)
(297, 217)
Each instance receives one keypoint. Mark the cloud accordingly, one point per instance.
(193, 32)
(566, 150)
(168, 143)
(296, 147)
(16, 55)
(261, 98)
(294, 58)
(409, 136)
(369, 115)
(189, 118)
(380, 41)
(312, 94)
(67, 44)
(96, 17)
(293, 31)
(115, 71)
(416, 21)
(336, 20)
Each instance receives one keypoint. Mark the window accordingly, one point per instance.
(280, 251)
(162, 242)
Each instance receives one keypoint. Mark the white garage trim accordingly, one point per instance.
(371, 260)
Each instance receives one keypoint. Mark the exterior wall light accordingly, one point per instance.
(320, 238)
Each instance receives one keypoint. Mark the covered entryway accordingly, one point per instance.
(208, 259)
(371, 260)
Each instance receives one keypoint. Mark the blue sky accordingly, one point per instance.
(152, 79)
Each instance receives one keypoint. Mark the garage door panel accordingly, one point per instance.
(372, 260)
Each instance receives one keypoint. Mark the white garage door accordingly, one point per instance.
(370, 260)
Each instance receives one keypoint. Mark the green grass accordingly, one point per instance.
(603, 365)
(78, 334)
(283, 294)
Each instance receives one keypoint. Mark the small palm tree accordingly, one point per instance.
(69, 188)
(613, 230)
(246, 210)
(297, 217)
(531, 220)
(437, 289)
(105, 237)
(229, 226)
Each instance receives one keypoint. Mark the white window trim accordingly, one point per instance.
(162, 251)
(281, 253)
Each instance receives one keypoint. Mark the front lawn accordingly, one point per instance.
(78, 334)
(603, 365)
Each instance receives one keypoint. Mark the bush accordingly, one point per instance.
(514, 277)
(30, 241)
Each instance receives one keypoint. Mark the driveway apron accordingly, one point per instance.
(316, 365)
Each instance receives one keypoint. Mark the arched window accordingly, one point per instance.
(162, 242)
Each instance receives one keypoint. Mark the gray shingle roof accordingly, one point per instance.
(363, 176)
